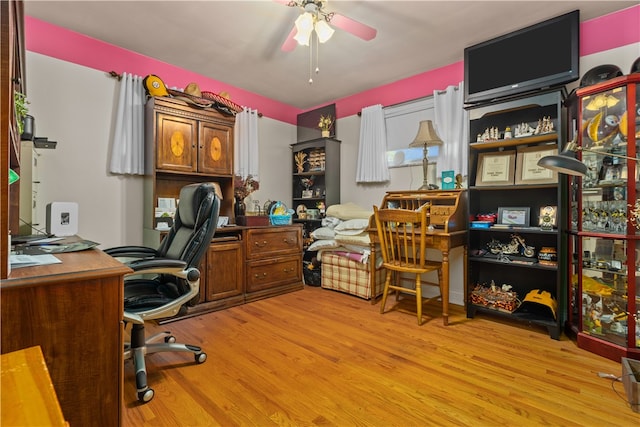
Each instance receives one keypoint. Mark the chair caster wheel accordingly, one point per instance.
(170, 339)
(200, 358)
(146, 396)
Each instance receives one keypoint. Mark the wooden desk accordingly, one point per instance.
(73, 311)
(28, 396)
(447, 213)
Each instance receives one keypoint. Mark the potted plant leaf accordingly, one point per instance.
(25, 121)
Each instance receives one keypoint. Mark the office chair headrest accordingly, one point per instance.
(193, 213)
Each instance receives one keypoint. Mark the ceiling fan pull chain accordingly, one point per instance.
(310, 63)
(317, 55)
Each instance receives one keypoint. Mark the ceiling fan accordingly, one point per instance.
(314, 17)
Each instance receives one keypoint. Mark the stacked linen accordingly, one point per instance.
(344, 229)
(343, 247)
(347, 238)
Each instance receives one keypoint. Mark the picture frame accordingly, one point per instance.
(547, 218)
(516, 216)
(495, 168)
(527, 169)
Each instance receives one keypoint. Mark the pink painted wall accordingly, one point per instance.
(606, 32)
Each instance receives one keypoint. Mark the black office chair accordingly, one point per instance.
(166, 279)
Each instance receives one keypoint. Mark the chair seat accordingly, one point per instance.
(141, 295)
(410, 266)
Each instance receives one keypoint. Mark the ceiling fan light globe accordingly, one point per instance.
(304, 26)
(323, 30)
(302, 38)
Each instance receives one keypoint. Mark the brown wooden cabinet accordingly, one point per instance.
(176, 143)
(187, 145)
(12, 74)
(215, 148)
(225, 273)
(184, 145)
(273, 261)
(245, 264)
(72, 310)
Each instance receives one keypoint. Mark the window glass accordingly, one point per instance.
(402, 122)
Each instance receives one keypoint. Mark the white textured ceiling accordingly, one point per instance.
(238, 42)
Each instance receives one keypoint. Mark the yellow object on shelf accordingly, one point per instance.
(28, 396)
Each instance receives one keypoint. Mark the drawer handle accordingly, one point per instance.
(259, 277)
(290, 241)
(261, 245)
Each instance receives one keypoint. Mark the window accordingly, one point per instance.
(402, 122)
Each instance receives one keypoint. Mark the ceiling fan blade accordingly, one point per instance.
(356, 28)
(290, 43)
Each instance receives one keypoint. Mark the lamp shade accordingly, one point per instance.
(564, 162)
(426, 136)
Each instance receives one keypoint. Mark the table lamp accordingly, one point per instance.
(567, 163)
(426, 137)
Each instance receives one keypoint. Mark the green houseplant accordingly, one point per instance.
(20, 103)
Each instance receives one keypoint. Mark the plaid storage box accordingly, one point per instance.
(345, 275)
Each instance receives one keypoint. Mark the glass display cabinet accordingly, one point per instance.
(604, 237)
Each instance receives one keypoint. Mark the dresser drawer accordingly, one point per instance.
(273, 241)
(273, 272)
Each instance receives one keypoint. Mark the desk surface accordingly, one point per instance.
(74, 266)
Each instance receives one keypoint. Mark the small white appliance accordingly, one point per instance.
(62, 218)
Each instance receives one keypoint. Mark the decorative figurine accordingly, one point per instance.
(300, 158)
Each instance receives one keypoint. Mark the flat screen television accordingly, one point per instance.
(542, 55)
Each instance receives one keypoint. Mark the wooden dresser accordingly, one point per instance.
(245, 264)
(273, 261)
(73, 311)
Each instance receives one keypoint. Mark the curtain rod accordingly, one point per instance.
(440, 92)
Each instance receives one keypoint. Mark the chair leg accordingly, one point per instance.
(440, 286)
(419, 299)
(385, 292)
(140, 347)
(137, 351)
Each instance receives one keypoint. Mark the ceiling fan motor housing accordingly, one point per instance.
(311, 6)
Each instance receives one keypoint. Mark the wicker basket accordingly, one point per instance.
(280, 219)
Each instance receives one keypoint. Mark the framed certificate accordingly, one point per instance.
(496, 168)
(518, 217)
(527, 169)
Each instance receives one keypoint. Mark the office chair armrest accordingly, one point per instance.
(131, 252)
(191, 275)
(157, 265)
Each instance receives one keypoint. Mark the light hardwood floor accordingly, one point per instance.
(322, 358)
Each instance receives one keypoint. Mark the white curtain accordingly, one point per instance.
(451, 125)
(127, 155)
(372, 156)
(246, 143)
